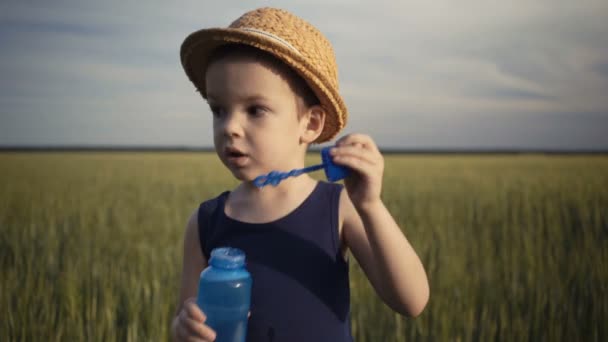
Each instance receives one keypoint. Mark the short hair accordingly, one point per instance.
(296, 82)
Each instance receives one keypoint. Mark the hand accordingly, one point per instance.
(359, 153)
(190, 324)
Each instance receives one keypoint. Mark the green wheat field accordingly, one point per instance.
(515, 246)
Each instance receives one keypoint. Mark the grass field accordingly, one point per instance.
(515, 246)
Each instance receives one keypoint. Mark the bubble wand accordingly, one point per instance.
(333, 172)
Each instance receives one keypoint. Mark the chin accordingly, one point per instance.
(243, 176)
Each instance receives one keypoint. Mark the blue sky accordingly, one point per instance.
(443, 74)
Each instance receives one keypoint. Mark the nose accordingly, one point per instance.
(231, 125)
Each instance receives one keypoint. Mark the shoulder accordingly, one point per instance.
(209, 209)
(193, 235)
(192, 249)
(211, 205)
(332, 189)
(330, 195)
(204, 216)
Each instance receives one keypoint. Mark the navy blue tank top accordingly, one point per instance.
(300, 286)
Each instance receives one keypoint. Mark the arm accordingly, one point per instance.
(188, 319)
(371, 233)
(386, 257)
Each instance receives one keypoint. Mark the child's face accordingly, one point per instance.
(255, 117)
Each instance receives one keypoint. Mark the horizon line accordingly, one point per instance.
(384, 150)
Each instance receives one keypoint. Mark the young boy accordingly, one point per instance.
(271, 82)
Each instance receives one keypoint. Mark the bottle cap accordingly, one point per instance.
(227, 257)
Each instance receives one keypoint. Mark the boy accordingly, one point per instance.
(271, 82)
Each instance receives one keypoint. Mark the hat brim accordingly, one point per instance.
(198, 46)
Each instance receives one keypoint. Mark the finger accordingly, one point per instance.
(184, 334)
(340, 141)
(249, 314)
(357, 152)
(357, 139)
(194, 311)
(360, 159)
(346, 140)
(357, 164)
(192, 317)
(200, 330)
(195, 327)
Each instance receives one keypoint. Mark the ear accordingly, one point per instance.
(312, 123)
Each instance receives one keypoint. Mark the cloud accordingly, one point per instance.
(77, 72)
(484, 52)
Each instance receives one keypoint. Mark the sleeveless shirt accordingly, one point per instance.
(300, 289)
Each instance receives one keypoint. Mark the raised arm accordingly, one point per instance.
(371, 233)
(386, 257)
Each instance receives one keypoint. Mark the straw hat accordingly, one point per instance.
(286, 36)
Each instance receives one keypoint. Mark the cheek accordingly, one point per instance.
(216, 136)
(286, 134)
(217, 128)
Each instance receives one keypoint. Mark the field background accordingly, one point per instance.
(515, 246)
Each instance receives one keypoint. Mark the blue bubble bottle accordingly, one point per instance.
(224, 294)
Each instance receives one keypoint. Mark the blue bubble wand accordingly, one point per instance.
(333, 172)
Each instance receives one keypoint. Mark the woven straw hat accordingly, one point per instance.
(286, 36)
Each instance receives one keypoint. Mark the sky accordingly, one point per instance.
(470, 74)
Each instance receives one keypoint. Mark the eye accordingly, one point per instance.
(256, 110)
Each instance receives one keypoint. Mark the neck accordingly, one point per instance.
(249, 203)
(249, 192)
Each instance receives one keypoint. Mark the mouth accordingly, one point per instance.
(235, 156)
(234, 153)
